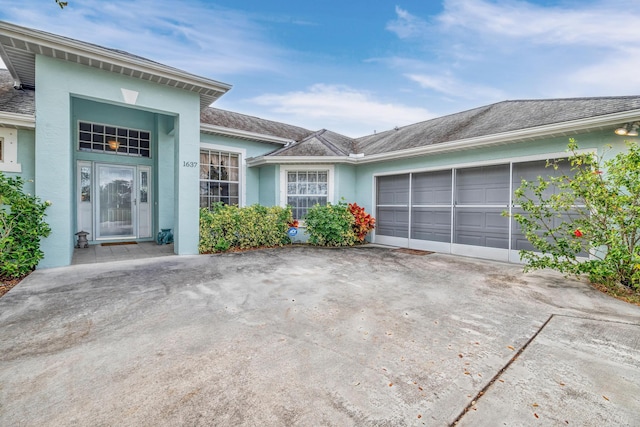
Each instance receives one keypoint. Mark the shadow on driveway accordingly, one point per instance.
(309, 336)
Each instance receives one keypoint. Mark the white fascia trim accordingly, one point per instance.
(507, 137)
(102, 54)
(305, 160)
(23, 121)
(243, 134)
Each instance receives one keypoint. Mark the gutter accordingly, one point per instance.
(19, 121)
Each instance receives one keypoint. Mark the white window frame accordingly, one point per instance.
(285, 169)
(9, 147)
(242, 166)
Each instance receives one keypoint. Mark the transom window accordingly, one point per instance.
(113, 140)
(306, 189)
(219, 177)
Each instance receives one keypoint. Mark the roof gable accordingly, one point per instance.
(19, 47)
(320, 143)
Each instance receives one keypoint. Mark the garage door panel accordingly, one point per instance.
(393, 190)
(431, 188)
(483, 185)
(481, 227)
(431, 224)
(392, 221)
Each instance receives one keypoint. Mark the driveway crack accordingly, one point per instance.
(481, 393)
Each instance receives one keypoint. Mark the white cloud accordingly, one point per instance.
(527, 50)
(339, 108)
(600, 23)
(407, 25)
(451, 86)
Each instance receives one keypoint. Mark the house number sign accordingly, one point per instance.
(186, 164)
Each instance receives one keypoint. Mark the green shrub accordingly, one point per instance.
(226, 227)
(330, 225)
(601, 206)
(22, 226)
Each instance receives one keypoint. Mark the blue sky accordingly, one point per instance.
(358, 66)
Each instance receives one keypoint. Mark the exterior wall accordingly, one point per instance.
(164, 215)
(58, 82)
(345, 184)
(269, 185)
(251, 176)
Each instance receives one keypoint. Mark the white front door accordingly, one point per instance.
(114, 201)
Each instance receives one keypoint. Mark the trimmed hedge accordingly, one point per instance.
(226, 227)
(22, 225)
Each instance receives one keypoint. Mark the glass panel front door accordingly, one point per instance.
(115, 202)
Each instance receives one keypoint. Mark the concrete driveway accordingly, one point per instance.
(305, 336)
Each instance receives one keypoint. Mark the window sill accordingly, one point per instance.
(10, 167)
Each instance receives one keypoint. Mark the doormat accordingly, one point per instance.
(413, 251)
(118, 243)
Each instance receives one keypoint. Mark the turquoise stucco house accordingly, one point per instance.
(123, 147)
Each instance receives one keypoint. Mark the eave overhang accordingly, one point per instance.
(565, 129)
(19, 47)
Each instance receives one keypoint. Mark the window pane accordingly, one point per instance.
(113, 140)
(302, 188)
(85, 183)
(233, 174)
(220, 174)
(292, 177)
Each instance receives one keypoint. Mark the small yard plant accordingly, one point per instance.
(228, 227)
(363, 222)
(338, 225)
(22, 225)
(594, 211)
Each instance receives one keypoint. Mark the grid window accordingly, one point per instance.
(306, 189)
(219, 178)
(113, 140)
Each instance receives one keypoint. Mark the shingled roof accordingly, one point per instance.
(13, 100)
(494, 119)
(243, 122)
(320, 143)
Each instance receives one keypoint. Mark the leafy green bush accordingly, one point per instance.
(595, 211)
(225, 227)
(330, 225)
(22, 226)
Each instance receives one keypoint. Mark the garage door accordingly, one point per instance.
(455, 210)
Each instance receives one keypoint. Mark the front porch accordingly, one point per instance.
(96, 254)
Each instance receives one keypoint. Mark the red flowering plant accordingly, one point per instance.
(363, 222)
(293, 223)
(584, 217)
